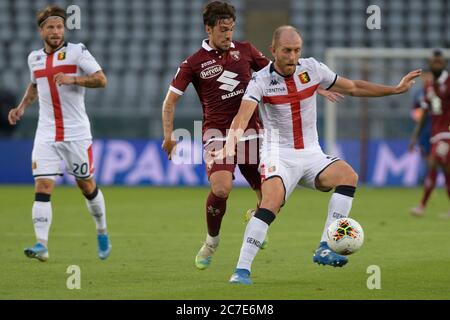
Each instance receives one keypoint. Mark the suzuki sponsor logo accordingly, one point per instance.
(211, 72)
(227, 78)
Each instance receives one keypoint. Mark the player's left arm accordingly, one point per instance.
(361, 88)
(95, 80)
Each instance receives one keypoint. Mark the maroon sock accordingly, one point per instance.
(428, 186)
(215, 209)
(447, 183)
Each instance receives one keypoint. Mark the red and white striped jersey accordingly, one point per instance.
(288, 109)
(62, 113)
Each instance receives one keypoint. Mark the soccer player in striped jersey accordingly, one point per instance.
(60, 72)
(291, 154)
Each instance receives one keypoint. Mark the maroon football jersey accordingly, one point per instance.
(220, 79)
(438, 101)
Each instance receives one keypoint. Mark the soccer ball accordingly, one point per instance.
(345, 236)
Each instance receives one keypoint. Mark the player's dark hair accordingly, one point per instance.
(50, 11)
(216, 11)
(437, 53)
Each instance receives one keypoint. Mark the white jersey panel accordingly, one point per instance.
(62, 112)
(288, 104)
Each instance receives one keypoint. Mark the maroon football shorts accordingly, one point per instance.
(247, 158)
(440, 151)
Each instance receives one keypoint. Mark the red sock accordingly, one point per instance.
(428, 186)
(215, 210)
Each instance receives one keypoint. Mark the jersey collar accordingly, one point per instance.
(63, 46)
(207, 47)
(272, 69)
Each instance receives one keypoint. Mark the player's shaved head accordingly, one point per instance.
(288, 33)
(286, 49)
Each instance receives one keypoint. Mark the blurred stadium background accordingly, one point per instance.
(141, 43)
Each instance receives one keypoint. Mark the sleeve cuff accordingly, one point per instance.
(332, 84)
(175, 90)
(250, 98)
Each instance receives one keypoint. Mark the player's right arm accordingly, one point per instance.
(183, 77)
(31, 95)
(168, 113)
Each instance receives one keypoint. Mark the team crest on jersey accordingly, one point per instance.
(304, 77)
(61, 56)
(236, 55)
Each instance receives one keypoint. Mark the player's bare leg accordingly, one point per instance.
(96, 206)
(256, 230)
(340, 176)
(428, 187)
(221, 183)
(42, 218)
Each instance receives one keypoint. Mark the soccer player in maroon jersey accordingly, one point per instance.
(437, 103)
(220, 71)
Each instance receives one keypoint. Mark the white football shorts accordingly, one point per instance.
(77, 156)
(294, 167)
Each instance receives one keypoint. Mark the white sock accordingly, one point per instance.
(212, 241)
(254, 236)
(42, 219)
(97, 209)
(338, 207)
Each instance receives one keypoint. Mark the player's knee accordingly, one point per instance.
(221, 190)
(349, 177)
(43, 186)
(353, 176)
(86, 186)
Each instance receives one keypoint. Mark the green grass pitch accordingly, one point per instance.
(156, 233)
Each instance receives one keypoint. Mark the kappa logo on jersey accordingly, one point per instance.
(304, 77)
(236, 55)
(211, 72)
(227, 78)
(274, 82)
(61, 56)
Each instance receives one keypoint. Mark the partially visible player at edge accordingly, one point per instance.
(59, 73)
(219, 71)
(437, 104)
(296, 156)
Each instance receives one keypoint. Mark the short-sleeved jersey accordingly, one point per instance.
(288, 109)
(62, 113)
(220, 79)
(437, 98)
